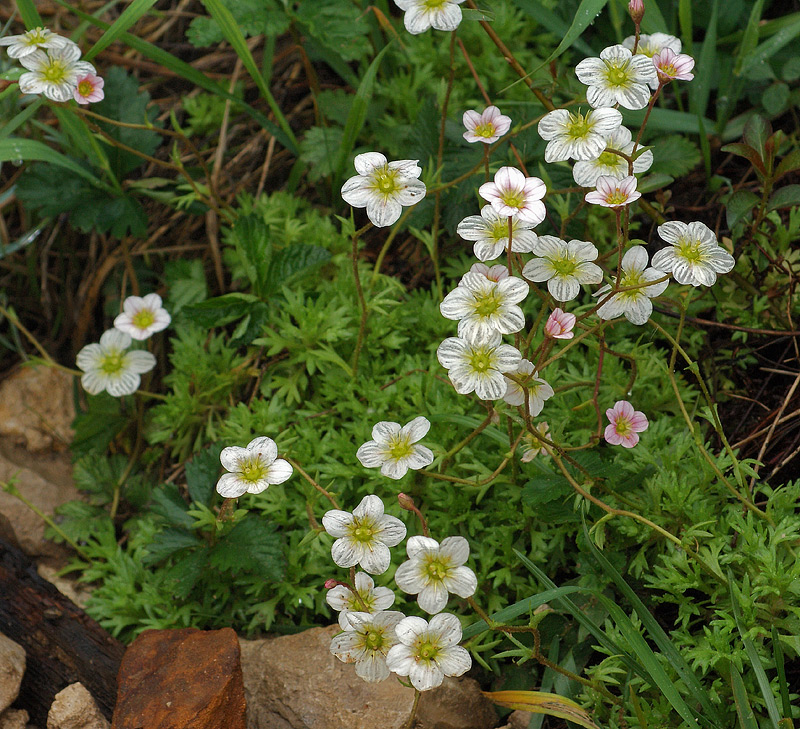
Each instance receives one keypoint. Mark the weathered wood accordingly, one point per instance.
(63, 644)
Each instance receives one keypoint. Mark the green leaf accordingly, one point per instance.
(653, 21)
(202, 473)
(250, 237)
(80, 522)
(789, 163)
(739, 205)
(649, 183)
(685, 21)
(549, 20)
(784, 197)
(747, 719)
(96, 428)
(780, 668)
(294, 261)
(135, 10)
(251, 546)
(667, 120)
(99, 476)
(749, 38)
(319, 150)
(701, 87)
(187, 571)
(29, 150)
(168, 543)
(763, 52)
(336, 30)
(254, 17)
(540, 702)
(749, 153)
(29, 14)
(220, 310)
(186, 283)
(674, 155)
(775, 98)
(169, 504)
(587, 11)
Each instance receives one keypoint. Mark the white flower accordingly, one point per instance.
(482, 306)
(538, 389)
(575, 136)
(423, 14)
(433, 570)
(108, 366)
(565, 266)
(344, 600)
(252, 469)
(486, 127)
(617, 77)
(142, 317)
(635, 304)
(586, 172)
(366, 642)
(493, 273)
(693, 256)
(55, 73)
(649, 45)
(27, 43)
(364, 537)
(490, 233)
(534, 446)
(478, 365)
(383, 188)
(393, 448)
(427, 652)
(613, 193)
(512, 193)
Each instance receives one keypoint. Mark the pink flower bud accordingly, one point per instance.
(636, 10)
(406, 502)
(560, 325)
(331, 583)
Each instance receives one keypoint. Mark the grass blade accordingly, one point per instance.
(223, 17)
(587, 11)
(129, 16)
(744, 711)
(539, 702)
(29, 14)
(777, 652)
(701, 87)
(667, 120)
(656, 632)
(768, 48)
(687, 28)
(749, 39)
(755, 661)
(30, 150)
(549, 20)
(653, 21)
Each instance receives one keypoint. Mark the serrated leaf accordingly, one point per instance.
(168, 543)
(338, 27)
(294, 261)
(202, 473)
(169, 504)
(80, 521)
(255, 17)
(250, 237)
(251, 546)
(784, 197)
(220, 310)
(95, 429)
(186, 283)
(252, 325)
(739, 205)
(650, 183)
(539, 702)
(99, 476)
(187, 571)
(674, 155)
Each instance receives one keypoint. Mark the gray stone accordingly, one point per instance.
(14, 719)
(74, 708)
(12, 669)
(457, 704)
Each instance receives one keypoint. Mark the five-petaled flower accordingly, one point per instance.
(89, 89)
(364, 537)
(54, 73)
(395, 450)
(369, 599)
(383, 188)
(613, 193)
(110, 366)
(423, 14)
(617, 77)
(512, 193)
(533, 446)
(252, 469)
(32, 40)
(486, 127)
(634, 303)
(671, 66)
(537, 389)
(575, 135)
(142, 316)
(482, 306)
(478, 364)
(433, 570)
(489, 230)
(427, 652)
(565, 266)
(366, 642)
(611, 164)
(560, 324)
(625, 424)
(693, 256)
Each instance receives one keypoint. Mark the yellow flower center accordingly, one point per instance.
(373, 640)
(433, 4)
(578, 126)
(513, 198)
(617, 198)
(363, 530)
(436, 569)
(609, 159)
(400, 447)
(623, 427)
(84, 89)
(384, 181)
(55, 72)
(668, 70)
(565, 266)
(481, 361)
(632, 278)
(427, 650)
(487, 304)
(689, 250)
(113, 362)
(618, 75)
(144, 318)
(485, 130)
(252, 470)
(35, 37)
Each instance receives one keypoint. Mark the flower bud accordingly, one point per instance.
(331, 583)
(406, 502)
(636, 10)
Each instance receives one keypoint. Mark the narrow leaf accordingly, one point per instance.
(653, 21)
(769, 48)
(29, 150)
(587, 11)
(29, 14)
(539, 702)
(744, 711)
(129, 16)
(749, 38)
(685, 20)
(777, 653)
(701, 87)
(549, 20)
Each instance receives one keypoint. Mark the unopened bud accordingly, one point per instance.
(331, 583)
(406, 502)
(636, 10)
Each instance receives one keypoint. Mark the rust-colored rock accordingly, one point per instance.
(181, 679)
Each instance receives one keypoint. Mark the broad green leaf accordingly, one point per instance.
(549, 20)
(674, 155)
(252, 545)
(587, 11)
(168, 543)
(81, 137)
(764, 51)
(756, 132)
(539, 702)
(202, 473)
(293, 261)
(220, 310)
(135, 10)
(701, 86)
(789, 163)
(666, 120)
(655, 182)
(168, 503)
(749, 153)
(739, 205)
(784, 197)
(775, 98)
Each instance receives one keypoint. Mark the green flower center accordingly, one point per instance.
(373, 640)
(480, 361)
(623, 427)
(436, 569)
(618, 75)
(363, 530)
(513, 198)
(578, 126)
(564, 266)
(144, 318)
(400, 448)
(485, 130)
(55, 72)
(500, 230)
(632, 278)
(689, 250)
(609, 159)
(384, 182)
(486, 305)
(35, 37)
(113, 362)
(433, 4)
(367, 599)
(252, 470)
(427, 650)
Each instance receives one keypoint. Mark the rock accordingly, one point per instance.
(14, 719)
(46, 481)
(36, 408)
(12, 669)
(518, 720)
(181, 679)
(74, 708)
(294, 682)
(456, 704)
(75, 591)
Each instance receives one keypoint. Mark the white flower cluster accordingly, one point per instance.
(54, 68)
(109, 365)
(381, 641)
